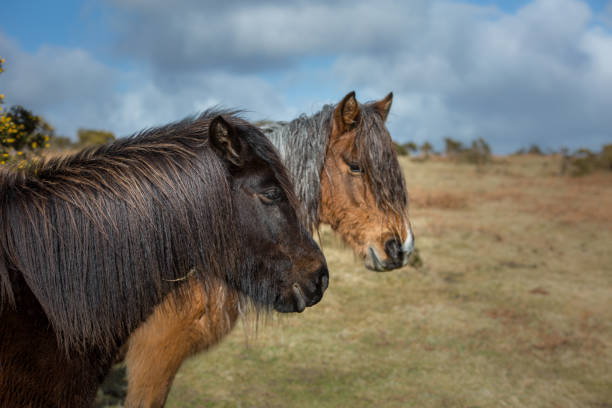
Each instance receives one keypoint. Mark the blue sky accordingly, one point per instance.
(512, 72)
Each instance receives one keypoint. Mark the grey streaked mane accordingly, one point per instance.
(302, 145)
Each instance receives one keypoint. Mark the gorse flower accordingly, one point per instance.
(21, 132)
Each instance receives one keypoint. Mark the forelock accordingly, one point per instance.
(379, 159)
(265, 151)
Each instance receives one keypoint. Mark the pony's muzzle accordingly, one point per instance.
(306, 294)
(397, 254)
(407, 246)
(321, 285)
(316, 288)
(398, 251)
(300, 302)
(393, 249)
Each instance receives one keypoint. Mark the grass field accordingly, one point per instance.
(511, 308)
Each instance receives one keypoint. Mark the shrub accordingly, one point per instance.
(479, 153)
(584, 161)
(520, 152)
(88, 137)
(605, 157)
(22, 134)
(405, 149)
(452, 147)
(411, 147)
(61, 142)
(400, 149)
(534, 149)
(426, 149)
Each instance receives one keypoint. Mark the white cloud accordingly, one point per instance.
(541, 74)
(256, 36)
(149, 104)
(71, 89)
(66, 85)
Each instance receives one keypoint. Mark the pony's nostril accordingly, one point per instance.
(324, 282)
(393, 249)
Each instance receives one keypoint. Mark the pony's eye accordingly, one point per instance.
(355, 168)
(271, 195)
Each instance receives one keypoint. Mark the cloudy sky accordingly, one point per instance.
(513, 72)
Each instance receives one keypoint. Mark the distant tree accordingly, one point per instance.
(534, 149)
(520, 151)
(479, 153)
(426, 149)
(400, 149)
(88, 137)
(411, 147)
(583, 162)
(61, 142)
(584, 152)
(405, 149)
(605, 157)
(482, 146)
(452, 147)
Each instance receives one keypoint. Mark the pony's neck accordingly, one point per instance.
(302, 145)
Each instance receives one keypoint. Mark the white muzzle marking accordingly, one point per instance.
(408, 245)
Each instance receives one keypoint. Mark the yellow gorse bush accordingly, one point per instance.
(22, 134)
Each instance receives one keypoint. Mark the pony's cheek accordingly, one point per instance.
(275, 264)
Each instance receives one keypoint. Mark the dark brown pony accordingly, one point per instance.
(92, 242)
(347, 175)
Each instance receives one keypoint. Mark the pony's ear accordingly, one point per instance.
(224, 139)
(346, 113)
(384, 105)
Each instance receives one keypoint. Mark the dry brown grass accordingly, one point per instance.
(438, 199)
